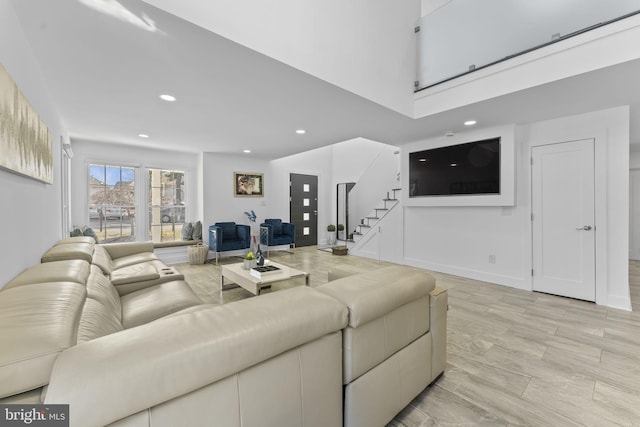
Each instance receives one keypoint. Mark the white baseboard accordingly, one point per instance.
(499, 279)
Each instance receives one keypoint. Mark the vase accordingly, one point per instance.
(259, 256)
(248, 264)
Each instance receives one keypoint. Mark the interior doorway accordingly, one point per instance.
(563, 228)
(634, 214)
(303, 208)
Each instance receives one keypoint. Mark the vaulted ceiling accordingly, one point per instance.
(105, 76)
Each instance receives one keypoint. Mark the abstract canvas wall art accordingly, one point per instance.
(25, 141)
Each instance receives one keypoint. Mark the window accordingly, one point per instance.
(112, 202)
(166, 205)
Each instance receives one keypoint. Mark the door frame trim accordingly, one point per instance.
(600, 208)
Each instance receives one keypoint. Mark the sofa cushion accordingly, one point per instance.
(152, 303)
(76, 239)
(76, 271)
(68, 251)
(102, 259)
(31, 338)
(96, 321)
(100, 289)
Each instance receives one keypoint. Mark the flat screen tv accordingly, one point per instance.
(463, 169)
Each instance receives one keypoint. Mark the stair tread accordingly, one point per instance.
(389, 200)
(381, 209)
(364, 225)
(372, 217)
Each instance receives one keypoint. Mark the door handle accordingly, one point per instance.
(585, 228)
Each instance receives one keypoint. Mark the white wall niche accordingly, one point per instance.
(507, 169)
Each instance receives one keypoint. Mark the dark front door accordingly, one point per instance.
(303, 208)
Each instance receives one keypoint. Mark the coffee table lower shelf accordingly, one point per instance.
(243, 278)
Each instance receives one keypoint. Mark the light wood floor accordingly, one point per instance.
(514, 357)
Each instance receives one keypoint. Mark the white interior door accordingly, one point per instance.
(634, 215)
(563, 219)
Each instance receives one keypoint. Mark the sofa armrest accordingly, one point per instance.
(215, 238)
(438, 327)
(373, 294)
(289, 229)
(119, 250)
(268, 235)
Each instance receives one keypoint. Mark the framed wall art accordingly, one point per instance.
(248, 184)
(25, 141)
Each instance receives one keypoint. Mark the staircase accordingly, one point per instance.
(375, 215)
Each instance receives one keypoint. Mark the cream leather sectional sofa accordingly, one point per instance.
(352, 352)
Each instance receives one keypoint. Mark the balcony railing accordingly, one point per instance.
(464, 36)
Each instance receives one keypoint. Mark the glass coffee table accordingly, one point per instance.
(236, 274)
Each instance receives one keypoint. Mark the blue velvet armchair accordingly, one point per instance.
(274, 232)
(229, 236)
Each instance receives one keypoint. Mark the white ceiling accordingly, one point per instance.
(105, 76)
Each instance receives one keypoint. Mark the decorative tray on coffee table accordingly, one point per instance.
(265, 270)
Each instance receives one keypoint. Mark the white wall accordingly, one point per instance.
(315, 162)
(357, 159)
(330, 39)
(219, 202)
(87, 152)
(351, 158)
(31, 212)
(610, 129)
(459, 240)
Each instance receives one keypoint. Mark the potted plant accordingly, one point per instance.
(331, 234)
(340, 231)
(249, 261)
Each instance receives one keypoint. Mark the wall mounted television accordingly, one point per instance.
(462, 169)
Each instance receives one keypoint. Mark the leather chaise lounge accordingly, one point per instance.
(352, 352)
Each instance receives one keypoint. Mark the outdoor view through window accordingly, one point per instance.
(112, 202)
(166, 205)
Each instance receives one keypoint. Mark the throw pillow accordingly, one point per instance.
(88, 231)
(228, 230)
(277, 225)
(76, 232)
(187, 231)
(197, 231)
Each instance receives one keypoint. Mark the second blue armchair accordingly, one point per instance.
(274, 232)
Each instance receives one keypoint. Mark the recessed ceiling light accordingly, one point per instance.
(301, 131)
(470, 123)
(167, 97)
(143, 135)
(246, 151)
